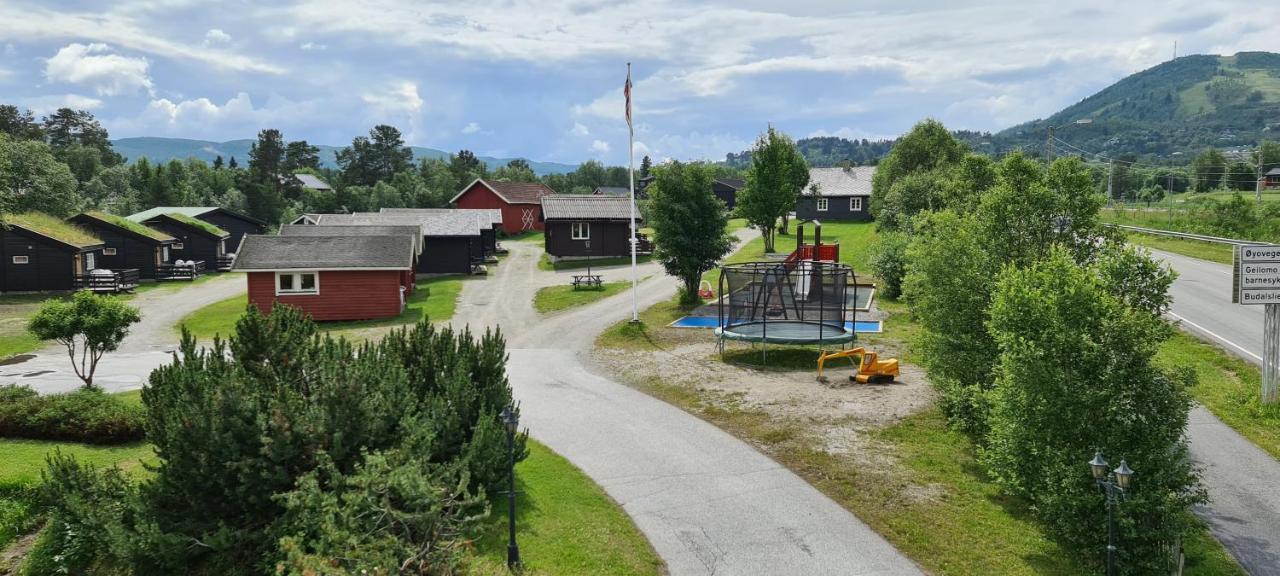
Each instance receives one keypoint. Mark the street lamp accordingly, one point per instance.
(1049, 141)
(1114, 485)
(511, 420)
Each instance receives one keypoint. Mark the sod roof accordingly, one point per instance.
(53, 227)
(199, 224)
(130, 225)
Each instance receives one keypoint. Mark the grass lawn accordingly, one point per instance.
(565, 524)
(1210, 251)
(435, 298)
(174, 285)
(14, 311)
(526, 236)
(545, 262)
(556, 298)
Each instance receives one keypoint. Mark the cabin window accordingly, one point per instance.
(21, 259)
(580, 230)
(855, 204)
(297, 283)
(164, 254)
(177, 245)
(822, 204)
(108, 251)
(89, 263)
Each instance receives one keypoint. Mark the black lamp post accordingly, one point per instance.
(511, 420)
(1114, 483)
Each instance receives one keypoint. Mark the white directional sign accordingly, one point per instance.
(1256, 278)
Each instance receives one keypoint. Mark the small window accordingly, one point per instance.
(297, 283)
(580, 230)
(855, 204)
(822, 204)
(90, 262)
(21, 259)
(177, 245)
(108, 251)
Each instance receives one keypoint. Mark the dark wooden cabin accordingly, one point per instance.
(726, 189)
(236, 225)
(452, 242)
(489, 220)
(837, 194)
(127, 244)
(581, 226)
(43, 253)
(196, 239)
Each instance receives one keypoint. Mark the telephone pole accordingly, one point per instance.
(1111, 172)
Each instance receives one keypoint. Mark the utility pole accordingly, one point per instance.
(1257, 183)
(1111, 172)
(1169, 189)
(1048, 146)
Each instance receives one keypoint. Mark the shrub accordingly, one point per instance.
(86, 415)
(889, 262)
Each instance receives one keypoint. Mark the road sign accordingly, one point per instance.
(1256, 275)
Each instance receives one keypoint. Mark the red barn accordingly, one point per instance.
(330, 277)
(520, 202)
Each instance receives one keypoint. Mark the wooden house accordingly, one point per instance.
(620, 191)
(520, 202)
(582, 226)
(489, 219)
(236, 225)
(337, 230)
(451, 239)
(43, 253)
(726, 189)
(1272, 178)
(197, 240)
(345, 277)
(837, 194)
(127, 244)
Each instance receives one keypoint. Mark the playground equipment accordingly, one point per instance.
(790, 302)
(870, 368)
(704, 290)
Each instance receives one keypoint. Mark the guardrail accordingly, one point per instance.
(1189, 236)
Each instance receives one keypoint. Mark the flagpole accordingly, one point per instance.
(631, 178)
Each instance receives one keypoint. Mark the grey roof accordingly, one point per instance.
(611, 191)
(493, 214)
(586, 207)
(735, 183)
(410, 230)
(1273, 172)
(445, 223)
(192, 211)
(324, 252)
(854, 181)
(313, 182)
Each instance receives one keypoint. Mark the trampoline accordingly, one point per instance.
(795, 302)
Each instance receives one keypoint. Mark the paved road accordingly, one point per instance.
(1244, 512)
(708, 502)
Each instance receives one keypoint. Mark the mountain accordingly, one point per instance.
(1183, 105)
(827, 151)
(165, 149)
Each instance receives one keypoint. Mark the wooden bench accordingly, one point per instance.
(589, 280)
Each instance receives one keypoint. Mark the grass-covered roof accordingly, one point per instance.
(53, 227)
(130, 225)
(201, 224)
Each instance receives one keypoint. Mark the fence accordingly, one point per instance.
(189, 271)
(1189, 236)
(116, 281)
(225, 262)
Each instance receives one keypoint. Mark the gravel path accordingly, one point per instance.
(709, 503)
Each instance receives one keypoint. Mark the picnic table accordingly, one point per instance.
(590, 280)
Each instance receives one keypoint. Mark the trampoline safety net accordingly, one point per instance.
(794, 302)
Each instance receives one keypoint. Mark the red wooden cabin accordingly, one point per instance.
(520, 202)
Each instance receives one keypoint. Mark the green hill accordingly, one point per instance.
(165, 149)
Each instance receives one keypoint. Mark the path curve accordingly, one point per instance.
(707, 501)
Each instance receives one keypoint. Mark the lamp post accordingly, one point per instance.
(1114, 483)
(1049, 142)
(511, 421)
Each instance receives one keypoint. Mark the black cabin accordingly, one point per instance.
(581, 226)
(41, 253)
(196, 240)
(127, 244)
(726, 189)
(837, 194)
(237, 225)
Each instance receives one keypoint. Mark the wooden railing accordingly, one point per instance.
(825, 252)
(643, 244)
(117, 281)
(180, 272)
(225, 262)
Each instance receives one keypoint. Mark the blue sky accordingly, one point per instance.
(543, 79)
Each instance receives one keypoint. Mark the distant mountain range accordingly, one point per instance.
(165, 149)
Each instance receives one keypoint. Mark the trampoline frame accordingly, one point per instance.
(782, 272)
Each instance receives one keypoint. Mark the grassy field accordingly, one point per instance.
(14, 311)
(434, 298)
(565, 524)
(1210, 251)
(556, 298)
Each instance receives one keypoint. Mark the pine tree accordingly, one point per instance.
(217, 162)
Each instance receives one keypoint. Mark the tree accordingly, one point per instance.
(110, 190)
(19, 124)
(688, 224)
(1241, 176)
(1209, 168)
(646, 165)
(31, 178)
(517, 170)
(217, 162)
(929, 145)
(66, 127)
(267, 180)
(1268, 155)
(298, 155)
(465, 167)
(777, 175)
(88, 325)
(232, 164)
(375, 157)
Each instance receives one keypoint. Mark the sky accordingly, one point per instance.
(542, 79)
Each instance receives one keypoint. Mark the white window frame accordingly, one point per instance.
(580, 230)
(297, 281)
(108, 251)
(21, 259)
(822, 204)
(164, 253)
(90, 261)
(178, 246)
(855, 204)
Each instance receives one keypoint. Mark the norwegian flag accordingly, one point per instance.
(626, 92)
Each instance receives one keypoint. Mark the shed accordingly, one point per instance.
(42, 253)
(329, 277)
(127, 244)
(726, 189)
(837, 194)
(520, 202)
(236, 224)
(196, 239)
(580, 226)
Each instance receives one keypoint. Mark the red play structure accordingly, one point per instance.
(816, 251)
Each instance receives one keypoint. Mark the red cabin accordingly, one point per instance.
(330, 277)
(520, 202)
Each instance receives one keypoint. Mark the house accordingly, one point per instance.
(313, 182)
(235, 223)
(726, 189)
(451, 239)
(520, 202)
(343, 277)
(620, 191)
(41, 253)
(1272, 178)
(489, 219)
(581, 226)
(197, 240)
(837, 194)
(127, 244)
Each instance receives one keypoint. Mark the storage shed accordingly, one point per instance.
(520, 202)
(236, 225)
(40, 253)
(127, 244)
(198, 240)
(580, 226)
(329, 277)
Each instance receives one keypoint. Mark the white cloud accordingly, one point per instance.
(398, 98)
(579, 130)
(312, 46)
(93, 65)
(216, 36)
(471, 128)
(46, 104)
(600, 147)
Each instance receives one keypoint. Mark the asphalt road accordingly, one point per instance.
(1243, 481)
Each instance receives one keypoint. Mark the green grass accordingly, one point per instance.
(15, 309)
(434, 298)
(195, 223)
(130, 225)
(1229, 387)
(565, 524)
(53, 227)
(556, 298)
(1210, 251)
(526, 236)
(545, 262)
(855, 240)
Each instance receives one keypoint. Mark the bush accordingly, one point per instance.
(889, 262)
(86, 415)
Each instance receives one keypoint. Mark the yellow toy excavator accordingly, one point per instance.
(870, 369)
